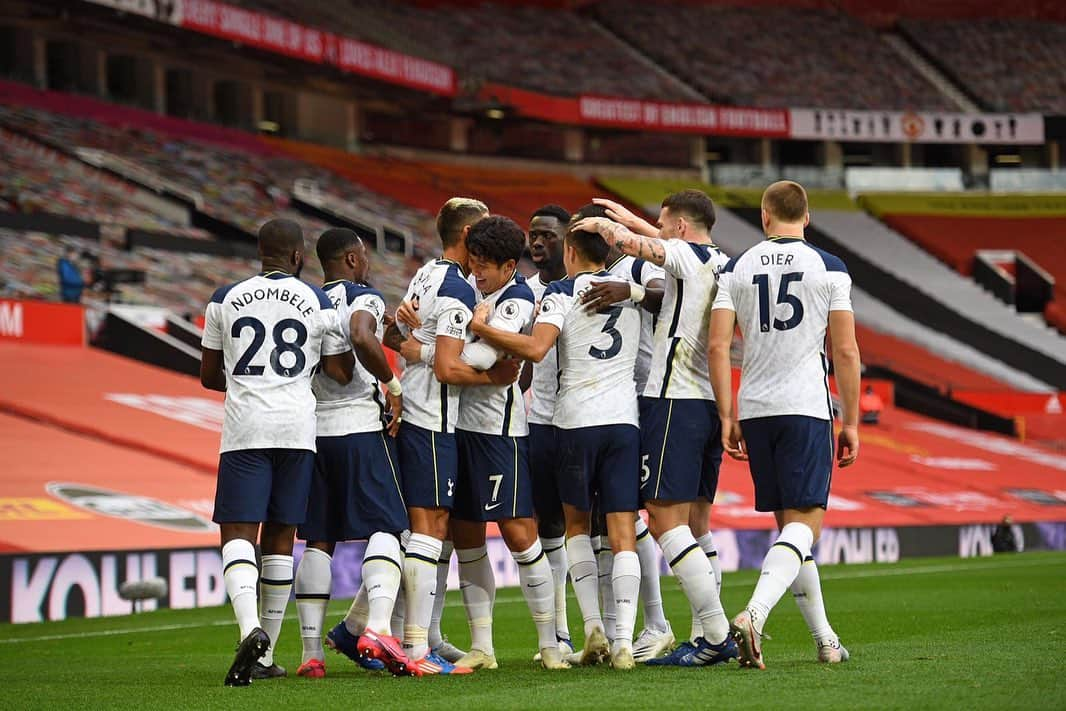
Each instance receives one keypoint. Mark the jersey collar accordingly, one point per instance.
(275, 274)
(777, 239)
(445, 260)
(615, 263)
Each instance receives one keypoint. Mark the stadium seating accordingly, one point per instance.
(530, 47)
(1008, 64)
(764, 56)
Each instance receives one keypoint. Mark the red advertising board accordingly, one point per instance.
(42, 322)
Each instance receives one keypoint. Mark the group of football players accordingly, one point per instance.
(622, 340)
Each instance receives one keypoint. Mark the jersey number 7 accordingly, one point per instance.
(762, 281)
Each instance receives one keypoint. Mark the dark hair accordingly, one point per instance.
(693, 205)
(786, 201)
(335, 243)
(588, 244)
(456, 214)
(278, 238)
(496, 239)
(555, 211)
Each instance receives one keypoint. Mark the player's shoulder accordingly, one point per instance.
(519, 290)
(222, 292)
(317, 292)
(564, 287)
(830, 261)
(454, 285)
(353, 290)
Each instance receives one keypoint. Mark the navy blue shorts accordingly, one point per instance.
(430, 465)
(493, 478)
(258, 485)
(543, 461)
(601, 462)
(355, 491)
(791, 461)
(681, 449)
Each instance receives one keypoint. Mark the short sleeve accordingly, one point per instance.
(554, 308)
(724, 298)
(454, 320)
(333, 340)
(682, 259)
(512, 315)
(839, 291)
(649, 272)
(372, 304)
(212, 338)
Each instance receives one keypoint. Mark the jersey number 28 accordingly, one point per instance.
(762, 281)
(281, 346)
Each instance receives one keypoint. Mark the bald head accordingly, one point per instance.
(278, 239)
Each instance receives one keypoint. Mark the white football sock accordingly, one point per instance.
(604, 565)
(807, 591)
(535, 577)
(625, 584)
(706, 542)
(694, 574)
(555, 550)
(355, 619)
(651, 595)
(440, 594)
(382, 566)
(400, 606)
(583, 574)
(276, 584)
(479, 593)
(779, 570)
(419, 584)
(314, 579)
(242, 578)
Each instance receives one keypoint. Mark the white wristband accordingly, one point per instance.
(394, 387)
(636, 293)
(427, 353)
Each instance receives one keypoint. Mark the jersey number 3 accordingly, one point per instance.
(762, 281)
(616, 338)
(281, 346)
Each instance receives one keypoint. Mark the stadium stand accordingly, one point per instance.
(772, 56)
(530, 47)
(1008, 64)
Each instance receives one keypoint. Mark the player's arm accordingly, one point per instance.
(719, 340)
(525, 380)
(338, 366)
(619, 213)
(337, 360)
(532, 347)
(605, 294)
(369, 352)
(212, 375)
(847, 367)
(448, 366)
(628, 242)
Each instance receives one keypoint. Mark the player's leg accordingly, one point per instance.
(807, 592)
(657, 635)
(791, 473)
(242, 495)
(574, 477)
(478, 585)
(551, 525)
(429, 463)
(601, 547)
(618, 488)
(438, 642)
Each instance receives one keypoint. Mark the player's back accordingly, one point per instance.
(597, 355)
(639, 271)
(782, 291)
(358, 406)
(272, 330)
(444, 301)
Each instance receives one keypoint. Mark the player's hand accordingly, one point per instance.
(605, 294)
(620, 214)
(505, 372)
(598, 225)
(411, 350)
(395, 403)
(408, 316)
(847, 446)
(482, 313)
(733, 440)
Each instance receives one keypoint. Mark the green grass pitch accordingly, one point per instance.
(934, 633)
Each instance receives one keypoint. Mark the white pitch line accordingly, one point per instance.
(515, 599)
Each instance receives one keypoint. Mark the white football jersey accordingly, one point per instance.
(679, 367)
(597, 355)
(545, 382)
(272, 330)
(358, 406)
(639, 271)
(444, 301)
(499, 409)
(782, 291)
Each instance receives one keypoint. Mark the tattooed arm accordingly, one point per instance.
(639, 246)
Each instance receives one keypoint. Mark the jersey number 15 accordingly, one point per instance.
(762, 281)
